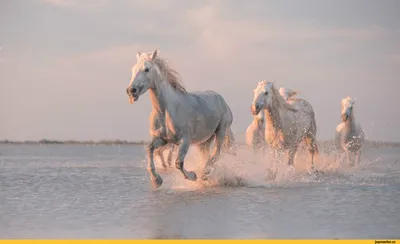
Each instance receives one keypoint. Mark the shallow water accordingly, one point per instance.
(76, 191)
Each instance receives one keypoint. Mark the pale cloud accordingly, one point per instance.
(88, 5)
(223, 37)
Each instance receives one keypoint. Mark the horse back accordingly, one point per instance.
(212, 101)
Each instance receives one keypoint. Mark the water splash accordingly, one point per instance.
(257, 169)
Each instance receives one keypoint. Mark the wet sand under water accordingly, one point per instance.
(104, 192)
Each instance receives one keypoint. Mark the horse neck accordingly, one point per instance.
(350, 124)
(162, 97)
(273, 116)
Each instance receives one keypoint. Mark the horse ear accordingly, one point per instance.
(138, 55)
(154, 54)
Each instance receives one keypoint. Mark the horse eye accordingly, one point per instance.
(266, 93)
(146, 70)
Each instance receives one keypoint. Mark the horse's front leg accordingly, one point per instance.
(155, 143)
(183, 149)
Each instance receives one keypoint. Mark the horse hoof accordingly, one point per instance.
(190, 175)
(157, 182)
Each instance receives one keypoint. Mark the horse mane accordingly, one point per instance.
(172, 75)
(280, 101)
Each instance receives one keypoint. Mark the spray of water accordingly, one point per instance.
(260, 169)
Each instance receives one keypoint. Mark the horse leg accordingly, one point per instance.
(312, 149)
(358, 157)
(170, 154)
(155, 143)
(348, 157)
(291, 154)
(183, 150)
(219, 139)
(159, 153)
(205, 149)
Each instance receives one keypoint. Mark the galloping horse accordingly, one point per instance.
(349, 134)
(179, 117)
(288, 123)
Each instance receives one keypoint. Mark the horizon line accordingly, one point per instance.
(145, 142)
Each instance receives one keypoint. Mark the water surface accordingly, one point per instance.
(77, 191)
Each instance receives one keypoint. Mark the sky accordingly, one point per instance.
(65, 64)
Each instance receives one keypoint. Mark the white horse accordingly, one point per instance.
(349, 134)
(288, 123)
(178, 117)
(255, 133)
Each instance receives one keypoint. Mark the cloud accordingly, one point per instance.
(226, 36)
(88, 5)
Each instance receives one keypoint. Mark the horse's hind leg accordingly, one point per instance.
(170, 154)
(183, 150)
(205, 148)
(159, 153)
(219, 139)
(155, 143)
(312, 148)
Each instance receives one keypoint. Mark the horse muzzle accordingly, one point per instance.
(133, 99)
(255, 109)
(133, 94)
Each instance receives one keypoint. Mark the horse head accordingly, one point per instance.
(347, 105)
(143, 75)
(263, 96)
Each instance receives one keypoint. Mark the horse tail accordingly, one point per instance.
(229, 144)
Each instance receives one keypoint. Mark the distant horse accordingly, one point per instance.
(255, 133)
(287, 93)
(179, 117)
(349, 134)
(288, 123)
